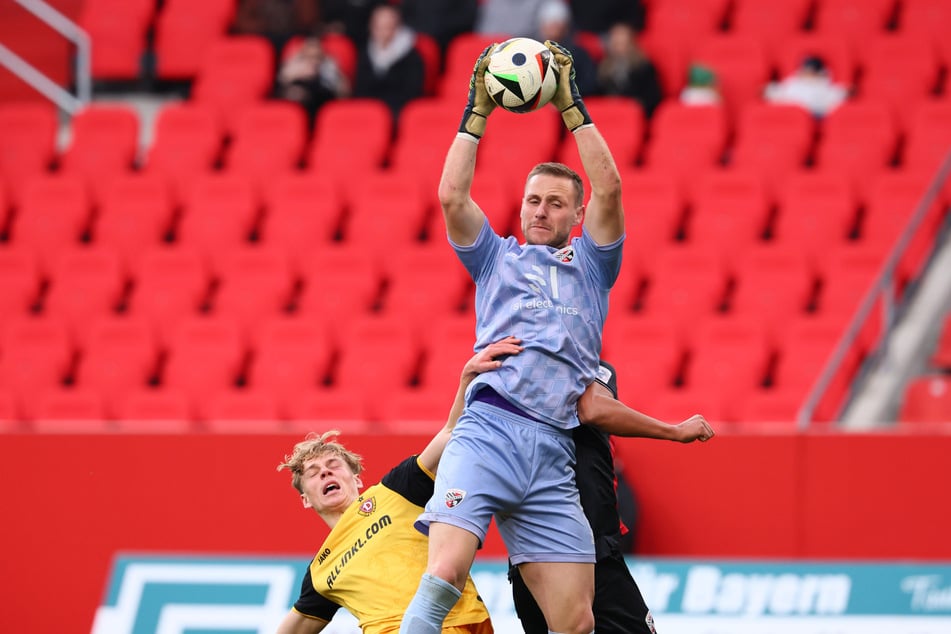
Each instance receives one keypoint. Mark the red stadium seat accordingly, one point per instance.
(351, 137)
(620, 121)
(205, 355)
(104, 144)
(415, 151)
(730, 209)
(170, 284)
(403, 220)
(446, 346)
(770, 406)
(740, 64)
(855, 21)
(685, 22)
(69, 410)
(941, 356)
(220, 213)
(770, 22)
(184, 30)
(342, 49)
(120, 354)
(928, 136)
(927, 20)
(85, 284)
(771, 284)
(240, 411)
(340, 283)
(817, 210)
(499, 158)
(461, 53)
(291, 355)
(268, 140)
(254, 283)
(53, 215)
(858, 138)
(428, 48)
(927, 399)
(416, 410)
(29, 132)
(647, 350)
(36, 355)
(686, 139)
(19, 282)
(303, 212)
(847, 273)
(685, 283)
(118, 31)
(235, 71)
(330, 409)
(424, 282)
(150, 411)
(9, 418)
(772, 140)
(136, 213)
(186, 143)
(898, 70)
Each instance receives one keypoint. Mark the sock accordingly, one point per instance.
(433, 600)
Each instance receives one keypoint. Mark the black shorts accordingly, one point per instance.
(619, 607)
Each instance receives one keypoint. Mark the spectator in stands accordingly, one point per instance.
(554, 23)
(702, 88)
(626, 69)
(442, 20)
(277, 20)
(349, 17)
(389, 67)
(311, 78)
(599, 16)
(508, 17)
(810, 86)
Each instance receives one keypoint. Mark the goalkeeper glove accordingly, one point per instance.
(479, 105)
(567, 98)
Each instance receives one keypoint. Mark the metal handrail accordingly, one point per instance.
(39, 81)
(883, 288)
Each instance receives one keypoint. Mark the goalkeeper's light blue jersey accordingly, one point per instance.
(555, 301)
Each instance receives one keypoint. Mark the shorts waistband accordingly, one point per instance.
(489, 396)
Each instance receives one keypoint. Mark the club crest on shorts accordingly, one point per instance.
(454, 498)
(565, 255)
(367, 507)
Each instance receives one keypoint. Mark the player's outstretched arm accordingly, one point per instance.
(297, 623)
(604, 214)
(598, 407)
(485, 360)
(463, 217)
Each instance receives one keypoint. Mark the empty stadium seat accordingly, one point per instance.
(35, 354)
(416, 411)
(386, 208)
(235, 71)
(254, 283)
(290, 355)
(268, 140)
(461, 53)
(351, 137)
(302, 212)
(446, 347)
(152, 410)
(500, 158)
(170, 284)
(854, 21)
(9, 418)
(184, 31)
(647, 350)
(424, 282)
(120, 354)
(772, 140)
(686, 139)
(858, 138)
(730, 209)
(928, 135)
(927, 399)
(941, 355)
(220, 213)
(330, 409)
(53, 215)
(772, 284)
(186, 143)
(415, 151)
(104, 143)
(927, 20)
(19, 282)
(428, 49)
(770, 22)
(685, 22)
(86, 283)
(118, 31)
(205, 354)
(28, 131)
(685, 283)
(340, 283)
(817, 210)
(621, 123)
(898, 70)
(135, 214)
(240, 411)
(69, 410)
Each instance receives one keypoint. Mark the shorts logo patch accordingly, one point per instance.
(649, 619)
(367, 507)
(565, 255)
(454, 498)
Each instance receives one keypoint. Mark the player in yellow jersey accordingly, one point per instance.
(373, 557)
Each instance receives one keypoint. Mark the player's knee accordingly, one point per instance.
(449, 573)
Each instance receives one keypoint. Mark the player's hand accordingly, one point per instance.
(479, 105)
(488, 358)
(694, 428)
(567, 98)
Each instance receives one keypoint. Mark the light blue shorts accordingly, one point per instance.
(521, 472)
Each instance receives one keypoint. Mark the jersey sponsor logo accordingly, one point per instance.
(604, 374)
(454, 498)
(565, 255)
(323, 555)
(367, 507)
(372, 531)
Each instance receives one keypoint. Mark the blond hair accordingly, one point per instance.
(561, 171)
(313, 446)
